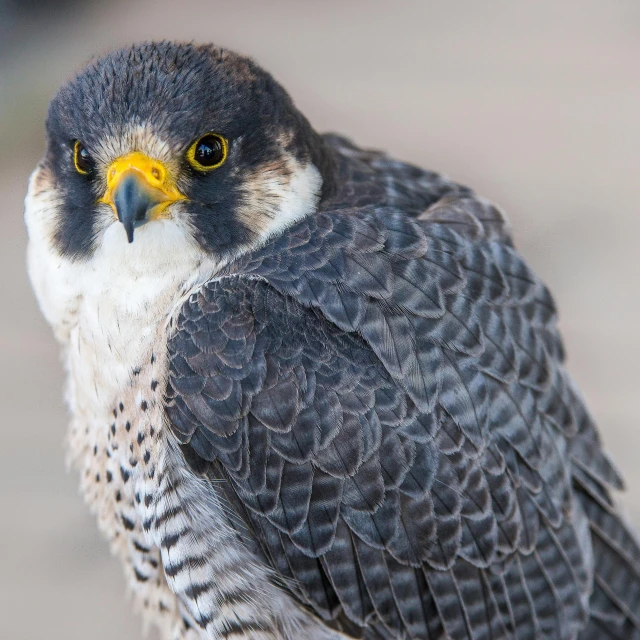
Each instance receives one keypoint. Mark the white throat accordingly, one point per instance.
(111, 311)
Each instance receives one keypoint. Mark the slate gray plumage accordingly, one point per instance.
(382, 388)
(321, 395)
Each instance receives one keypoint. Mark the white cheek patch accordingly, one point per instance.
(298, 199)
(279, 194)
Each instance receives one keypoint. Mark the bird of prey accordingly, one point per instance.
(315, 392)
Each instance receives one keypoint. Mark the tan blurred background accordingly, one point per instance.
(534, 104)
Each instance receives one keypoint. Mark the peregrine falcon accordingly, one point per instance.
(315, 392)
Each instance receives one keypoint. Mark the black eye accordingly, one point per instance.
(82, 160)
(208, 152)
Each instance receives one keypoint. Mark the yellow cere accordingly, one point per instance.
(151, 175)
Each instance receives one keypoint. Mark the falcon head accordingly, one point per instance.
(173, 148)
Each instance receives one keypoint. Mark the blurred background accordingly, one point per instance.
(534, 104)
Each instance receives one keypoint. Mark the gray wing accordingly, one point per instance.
(385, 399)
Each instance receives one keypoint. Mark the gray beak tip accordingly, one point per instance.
(129, 228)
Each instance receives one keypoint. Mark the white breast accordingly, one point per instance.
(112, 314)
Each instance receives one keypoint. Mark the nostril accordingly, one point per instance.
(155, 172)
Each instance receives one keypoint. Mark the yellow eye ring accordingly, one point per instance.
(208, 152)
(81, 159)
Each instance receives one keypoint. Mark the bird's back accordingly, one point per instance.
(456, 486)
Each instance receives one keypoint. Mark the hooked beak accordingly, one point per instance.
(139, 190)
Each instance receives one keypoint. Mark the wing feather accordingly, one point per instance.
(381, 387)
